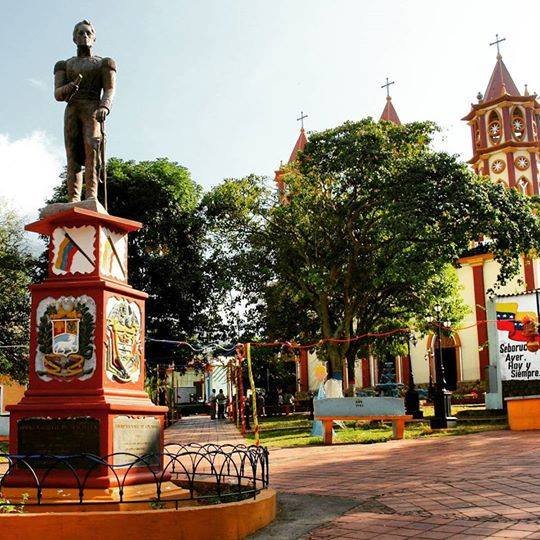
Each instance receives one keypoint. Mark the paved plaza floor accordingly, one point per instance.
(472, 486)
(201, 429)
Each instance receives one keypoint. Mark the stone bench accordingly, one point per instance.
(358, 409)
(398, 423)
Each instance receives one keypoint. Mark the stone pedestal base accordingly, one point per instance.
(138, 497)
(56, 208)
(88, 424)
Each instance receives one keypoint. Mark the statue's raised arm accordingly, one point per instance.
(87, 83)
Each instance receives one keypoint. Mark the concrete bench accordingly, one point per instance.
(359, 409)
(398, 423)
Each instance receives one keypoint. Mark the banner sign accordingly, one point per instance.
(517, 328)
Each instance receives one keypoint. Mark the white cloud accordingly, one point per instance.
(36, 83)
(29, 169)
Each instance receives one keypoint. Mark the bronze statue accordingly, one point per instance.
(87, 83)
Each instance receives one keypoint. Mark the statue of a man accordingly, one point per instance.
(87, 83)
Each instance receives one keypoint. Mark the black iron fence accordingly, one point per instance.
(207, 474)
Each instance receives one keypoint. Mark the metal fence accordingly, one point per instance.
(208, 473)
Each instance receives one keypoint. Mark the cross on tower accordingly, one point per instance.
(301, 119)
(387, 86)
(496, 42)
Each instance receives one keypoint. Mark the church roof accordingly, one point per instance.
(500, 82)
(389, 112)
(299, 146)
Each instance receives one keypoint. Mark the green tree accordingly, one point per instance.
(369, 223)
(166, 257)
(240, 273)
(16, 266)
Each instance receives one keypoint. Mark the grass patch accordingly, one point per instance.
(293, 431)
(459, 410)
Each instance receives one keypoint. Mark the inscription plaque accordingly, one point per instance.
(58, 437)
(136, 435)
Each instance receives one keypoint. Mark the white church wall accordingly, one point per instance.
(470, 369)
(420, 365)
(491, 270)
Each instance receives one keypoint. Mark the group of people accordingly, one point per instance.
(217, 404)
(283, 404)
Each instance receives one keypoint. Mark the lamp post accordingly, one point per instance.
(412, 399)
(441, 396)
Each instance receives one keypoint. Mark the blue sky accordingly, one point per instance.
(217, 85)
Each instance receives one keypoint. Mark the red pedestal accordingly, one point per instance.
(86, 384)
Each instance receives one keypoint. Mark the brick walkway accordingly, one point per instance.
(474, 486)
(202, 430)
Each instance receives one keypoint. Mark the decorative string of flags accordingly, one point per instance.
(229, 348)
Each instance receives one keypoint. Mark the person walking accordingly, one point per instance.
(213, 405)
(280, 401)
(261, 411)
(221, 399)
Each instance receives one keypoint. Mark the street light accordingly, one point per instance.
(412, 399)
(442, 398)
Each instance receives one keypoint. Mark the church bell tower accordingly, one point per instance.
(504, 132)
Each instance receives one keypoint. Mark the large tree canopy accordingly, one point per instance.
(15, 270)
(370, 221)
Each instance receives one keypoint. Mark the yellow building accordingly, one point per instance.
(10, 393)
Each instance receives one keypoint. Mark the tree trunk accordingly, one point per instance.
(336, 371)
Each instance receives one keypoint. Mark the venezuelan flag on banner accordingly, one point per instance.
(510, 320)
(506, 316)
(66, 252)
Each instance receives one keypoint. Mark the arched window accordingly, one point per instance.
(494, 128)
(524, 186)
(518, 124)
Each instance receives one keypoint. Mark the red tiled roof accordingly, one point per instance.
(500, 82)
(299, 146)
(389, 113)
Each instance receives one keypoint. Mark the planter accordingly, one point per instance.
(523, 412)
